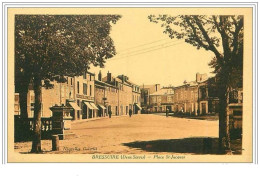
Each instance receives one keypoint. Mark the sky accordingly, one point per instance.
(173, 61)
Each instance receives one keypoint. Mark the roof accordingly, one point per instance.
(163, 91)
(97, 82)
(90, 73)
(147, 86)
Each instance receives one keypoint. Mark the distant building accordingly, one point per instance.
(186, 98)
(84, 89)
(162, 99)
(196, 97)
(136, 99)
(117, 94)
(106, 96)
(146, 90)
(75, 92)
(57, 95)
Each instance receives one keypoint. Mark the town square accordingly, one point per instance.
(94, 84)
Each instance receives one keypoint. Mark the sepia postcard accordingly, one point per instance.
(130, 84)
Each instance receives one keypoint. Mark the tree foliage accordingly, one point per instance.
(222, 35)
(48, 47)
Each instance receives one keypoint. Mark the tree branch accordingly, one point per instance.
(195, 34)
(236, 33)
(205, 35)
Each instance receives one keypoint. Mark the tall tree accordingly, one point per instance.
(47, 46)
(222, 35)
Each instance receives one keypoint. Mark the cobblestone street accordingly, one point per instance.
(138, 134)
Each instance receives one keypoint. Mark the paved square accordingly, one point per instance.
(125, 135)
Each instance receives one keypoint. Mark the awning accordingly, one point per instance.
(139, 107)
(103, 107)
(74, 106)
(88, 105)
(93, 105)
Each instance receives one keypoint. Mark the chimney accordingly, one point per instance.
(157, 87)
(100, 76)
(201, 77)
(197, 77)
(109, 77)
(123, 78)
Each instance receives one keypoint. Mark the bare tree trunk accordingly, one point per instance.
(36, 144)
(23, 126)
(23, 123)
(23, 103)
(224, 132)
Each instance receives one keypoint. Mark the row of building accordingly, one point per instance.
(88, 97)
(91, 97)
(197, 97)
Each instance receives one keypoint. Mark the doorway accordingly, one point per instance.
(203, 105)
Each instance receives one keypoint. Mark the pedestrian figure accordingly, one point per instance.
(130, 112)
(109, 113)
(167, 112)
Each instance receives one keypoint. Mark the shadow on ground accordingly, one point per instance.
(198, 145)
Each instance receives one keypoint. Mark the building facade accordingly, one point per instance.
(136, 99)
(162, 99)
(75, 92)
(197, 97)
(57, 95)
(84, 89)
(106, 96)
(120, 95)
(186, 98)
(146, 90)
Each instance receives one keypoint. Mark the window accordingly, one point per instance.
(85, 75)
(90, 90)
(159, 99)
(71, 82)
(169, 99)
(62, 91)
(85, 88)
(71, 91)
(67, 91)
(78, 87)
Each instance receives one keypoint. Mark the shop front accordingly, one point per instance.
(90, 110)
(75, 111)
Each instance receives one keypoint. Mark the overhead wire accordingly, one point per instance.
(144, 44)
(146, 48)
(146, 51)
